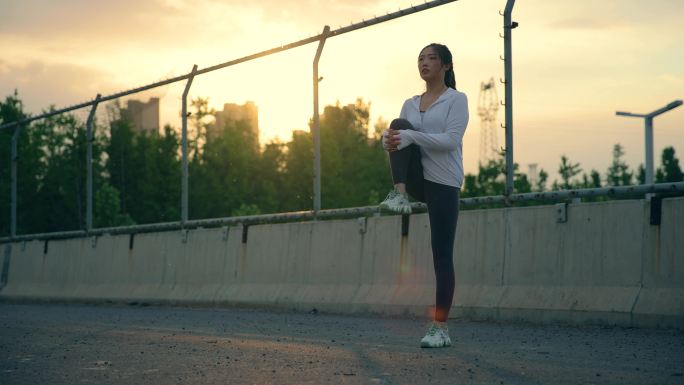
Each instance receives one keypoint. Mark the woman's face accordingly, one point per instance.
(430, 65)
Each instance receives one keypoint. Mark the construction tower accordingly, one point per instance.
(487, 107)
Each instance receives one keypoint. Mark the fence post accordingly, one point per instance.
(9, 169)
(13, 197)
(184, 177)
(508, 64)
(89, 163)
(317, 124)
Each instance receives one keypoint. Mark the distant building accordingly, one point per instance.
(532, 175)
(235, 112)
(144, 116)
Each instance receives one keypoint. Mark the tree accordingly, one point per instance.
(380, 126)
(491, 179)
(201, 120)
(63, 183)
(107, 207)
(354, 167)
(641, 174)
(164, 174)
(51, 172)
(541, 180)
(145, 169)
(669, 171)
(618, 173)
(591, 180)
(119, 164)
(377, 169)
(12, 110)
(225, 176)
(271, 185)
(521, 184)
(595, 178)
(298, 172)
(470, 187)
(567, 171)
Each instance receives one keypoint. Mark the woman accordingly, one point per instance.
(425, 150)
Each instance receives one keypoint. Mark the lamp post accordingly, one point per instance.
(648, 133)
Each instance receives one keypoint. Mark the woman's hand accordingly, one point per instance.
(394, 140)
(391, 140)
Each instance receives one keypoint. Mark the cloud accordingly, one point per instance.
(672, 79)
(318, 12)
(119, 36)
(65, 52)
(48, 19)
(584, 23)
(610, 14)
(88, 26)
(40, 84)
(169, 22)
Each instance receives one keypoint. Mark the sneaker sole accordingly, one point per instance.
(387, 208)
(428, 346)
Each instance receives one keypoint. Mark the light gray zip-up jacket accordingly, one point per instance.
(439, 133)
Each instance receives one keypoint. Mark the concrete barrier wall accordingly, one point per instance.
(661, 298)
(606, 264)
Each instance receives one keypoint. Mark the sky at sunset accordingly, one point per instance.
(574, 63)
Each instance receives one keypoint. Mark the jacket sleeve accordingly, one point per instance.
(451, 138)
(402, 113)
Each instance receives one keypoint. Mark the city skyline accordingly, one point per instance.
(573, 67)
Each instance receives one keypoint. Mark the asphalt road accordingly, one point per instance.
(117, 344)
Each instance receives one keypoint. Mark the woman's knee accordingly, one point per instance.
(401, 124)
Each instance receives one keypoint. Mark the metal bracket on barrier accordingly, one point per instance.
(184, 236)
(226, 231)
(362, 222)
(656, 210)
(405, 219)
(93, 241)
(245, 231)
(4, 271)
(561, 212)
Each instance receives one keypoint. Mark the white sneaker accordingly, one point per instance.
(437, 336)
(397, 202)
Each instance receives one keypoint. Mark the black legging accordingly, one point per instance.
(442, 202)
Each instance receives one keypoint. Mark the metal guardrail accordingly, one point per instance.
(580, 193)
(677, 187)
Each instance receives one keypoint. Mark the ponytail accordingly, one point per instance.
(450, 78)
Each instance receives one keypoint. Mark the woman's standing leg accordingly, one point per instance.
(443, 204)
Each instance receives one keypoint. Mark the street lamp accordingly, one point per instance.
(648, 131)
